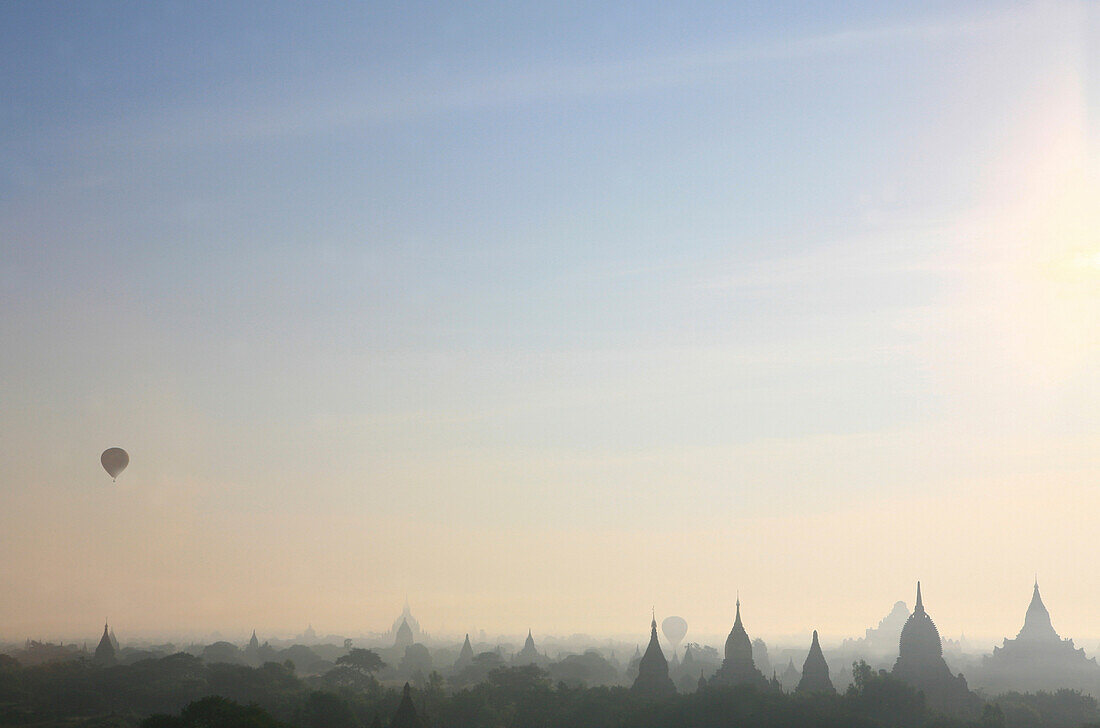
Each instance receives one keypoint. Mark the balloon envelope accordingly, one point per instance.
(674, 628)
(114, 461)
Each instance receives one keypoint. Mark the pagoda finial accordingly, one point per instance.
(919, 607)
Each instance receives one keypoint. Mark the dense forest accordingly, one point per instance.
(182, 690)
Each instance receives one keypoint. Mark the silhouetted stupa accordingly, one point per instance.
(105, 651)
(465, 655)
(1038, 659)
(653, 679)
(920, 664)
(404, 636)
(815, 672)
(737, 667)
(529, 655)
(407, 617)
(406, 716)
(791, 676)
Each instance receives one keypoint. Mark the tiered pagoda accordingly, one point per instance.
(738, 667)
(653, 679)
(920, 664)
(815, 672)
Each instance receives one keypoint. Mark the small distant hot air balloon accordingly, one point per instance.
(674, 628)
(114, 461)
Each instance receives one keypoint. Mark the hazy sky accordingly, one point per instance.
(545, 315)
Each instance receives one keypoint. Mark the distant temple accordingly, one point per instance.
(791, 676)
(738, 667)
(407, 618)
(653, 676)
(815, 672)
(920, 664)
(105, 651)
(404, 636)
(883, 639)
(529, 655)
(465, 655)
(635, 660)
(406, 716)
(1038, 659)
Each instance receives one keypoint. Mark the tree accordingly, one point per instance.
(214, 712)
(366, 662)
(884, 697)
(325, 710)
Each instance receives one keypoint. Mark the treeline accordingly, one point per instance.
(178, 692)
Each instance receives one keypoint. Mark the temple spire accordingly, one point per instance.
(918, 608)
(653, 676)
(815, 671)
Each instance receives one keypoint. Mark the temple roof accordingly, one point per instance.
(919, 636)
(738, 645)
(1037, 624)
(105, 651)
(815, 671)
(404, 636)
(653, 668)
(407, 617)
(406, 716)
(529, 653)
(653, 652)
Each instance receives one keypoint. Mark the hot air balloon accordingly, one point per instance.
(674, 628)
(114, 461)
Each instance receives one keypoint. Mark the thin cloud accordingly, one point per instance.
(360, 102)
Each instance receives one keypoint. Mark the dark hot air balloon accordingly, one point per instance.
(114, 461)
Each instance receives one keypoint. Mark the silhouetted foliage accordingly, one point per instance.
(365, 661)
(214, 712)
(1061, 709)
(883, 698)
(179, 691)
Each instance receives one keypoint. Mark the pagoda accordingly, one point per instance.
(406, 716)
(920, 664)
(404, 636)
(465, 655)
(529, 655)
(738, 667)
(1038, 658)
(105, 650)
(653, 679)
(815, 672)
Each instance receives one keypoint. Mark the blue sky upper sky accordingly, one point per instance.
(711, 286)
